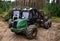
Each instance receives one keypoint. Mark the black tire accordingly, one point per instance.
(31, 32)
(50, 23)
(47, 24)
(10, 24)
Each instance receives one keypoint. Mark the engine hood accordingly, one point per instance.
(21, 23)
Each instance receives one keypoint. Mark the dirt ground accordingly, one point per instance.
(50, 34)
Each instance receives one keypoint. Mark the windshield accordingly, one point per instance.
(25, 15)
(16, 13)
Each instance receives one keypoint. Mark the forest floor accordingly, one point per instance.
(51, 34)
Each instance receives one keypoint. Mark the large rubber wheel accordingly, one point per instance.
(31, 32)
(47, 24)
(10, 24)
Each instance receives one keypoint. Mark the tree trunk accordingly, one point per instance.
(58, 2)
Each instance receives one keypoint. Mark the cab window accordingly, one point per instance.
(25, 15)
(16, 13)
